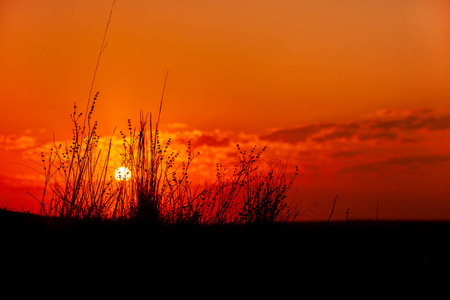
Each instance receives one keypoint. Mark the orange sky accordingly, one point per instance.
(354, 92)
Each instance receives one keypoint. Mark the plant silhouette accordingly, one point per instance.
(78, 185)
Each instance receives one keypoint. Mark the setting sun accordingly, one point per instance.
(122, 173)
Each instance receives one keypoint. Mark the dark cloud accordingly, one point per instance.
(349, 126)
(408, 122)
(438, 123)
(414, 121)
(296, 135)
(322, 133)
(346, 154)
(381, 135)
(388, 126)
(305, 153)
(335, 134)
(211, 141)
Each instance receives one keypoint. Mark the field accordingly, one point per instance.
(298, 247)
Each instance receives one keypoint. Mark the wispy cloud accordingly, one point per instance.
(377, 135)
(346, 154)
(338, 131)
(15, 142)
(201, 138)
(298, 134)
(404, 163)
(410, 120)
(387, 125)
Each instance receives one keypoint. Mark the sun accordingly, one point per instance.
(122, 173)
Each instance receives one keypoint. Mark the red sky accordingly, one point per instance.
(354, 92)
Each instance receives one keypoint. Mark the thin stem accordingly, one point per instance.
(332, 210)
(102, 48)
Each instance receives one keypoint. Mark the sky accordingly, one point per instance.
(355, 93)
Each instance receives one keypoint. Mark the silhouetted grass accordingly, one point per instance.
(78, 182)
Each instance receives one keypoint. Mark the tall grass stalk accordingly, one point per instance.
(77, 182)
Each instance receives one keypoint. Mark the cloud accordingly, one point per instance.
(339, 131)
(211, 140)
(411, 120)
(439, 123)
(404, 162)
(346, 154)
(382, 126)
(295, 135)
(327, 132)
(382, 135)
(199, 138)
(15, 142)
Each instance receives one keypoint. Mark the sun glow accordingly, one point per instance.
(122, 173)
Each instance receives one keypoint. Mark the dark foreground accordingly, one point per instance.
(333, 248)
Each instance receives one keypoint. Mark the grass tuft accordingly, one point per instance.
(78, 185)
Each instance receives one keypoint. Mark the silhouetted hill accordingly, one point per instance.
(342, 246)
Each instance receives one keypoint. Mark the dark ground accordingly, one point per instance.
(333, 249)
